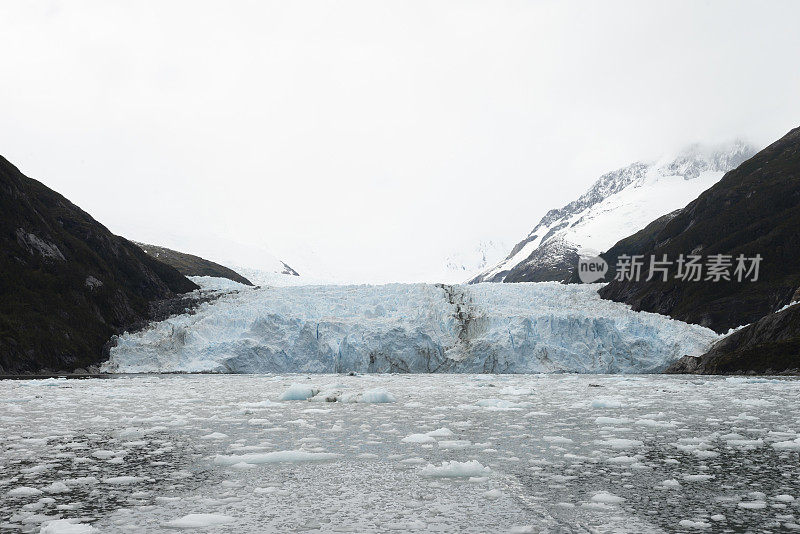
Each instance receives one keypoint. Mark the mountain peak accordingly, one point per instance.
(617, 204)
(697, 158)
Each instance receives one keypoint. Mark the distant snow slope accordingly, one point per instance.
(264, 277)
(465, 263)
(619, 204)
(519, 328)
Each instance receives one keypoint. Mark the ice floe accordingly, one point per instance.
(455, 469)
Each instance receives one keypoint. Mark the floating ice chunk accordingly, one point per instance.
(371, 396)
(242, 465)
(607, 498)
(57, 487)
(454, 469)
(442, 432)
(199, 521)
(784, 498)
(121, 481)
(215, 435)
(377, 395)
(717, 517)
(697, 525)
(671, 483)
(787, 445)
(522, 529)
(67, 526)
(329, 395)
(611, 420)
(620, 443)
(454, 444)
(301, 423)
(493, 494)
(705, 454)
(24, 491)
(259, 421)
(752, 505)
(606, 402)
(418, 438)
(652, 423)
(275, 457)
(298, 392)
(37, 469)
(745, 443)
(82, 481)
(556, 439)
(502, 405)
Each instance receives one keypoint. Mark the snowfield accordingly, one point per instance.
(618, 204)
(416, 328)
(128, 454)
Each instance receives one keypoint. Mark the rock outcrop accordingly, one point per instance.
(191, 265)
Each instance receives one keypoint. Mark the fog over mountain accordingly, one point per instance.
(618, 204)
(370, 137)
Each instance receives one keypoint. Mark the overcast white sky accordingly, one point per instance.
(376, 136)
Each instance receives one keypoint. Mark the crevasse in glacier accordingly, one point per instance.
(497, 328)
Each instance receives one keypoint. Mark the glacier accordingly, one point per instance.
(410, 328)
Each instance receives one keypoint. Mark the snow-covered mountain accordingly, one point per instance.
(424, 328)
(618, 204)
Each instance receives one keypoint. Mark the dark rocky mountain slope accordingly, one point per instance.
(191, 265)
(67, 284)
(753, 209)
(771, 345)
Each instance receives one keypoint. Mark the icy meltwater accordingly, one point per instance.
(432, 453)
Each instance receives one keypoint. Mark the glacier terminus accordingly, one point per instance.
(411, 328)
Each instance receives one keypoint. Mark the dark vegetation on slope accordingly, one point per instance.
(771, 345)
(191, 265)
(67, 284)
(754, 209)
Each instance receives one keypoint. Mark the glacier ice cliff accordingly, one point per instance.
(411, 328)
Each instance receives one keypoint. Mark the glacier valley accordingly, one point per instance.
(411, 328)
